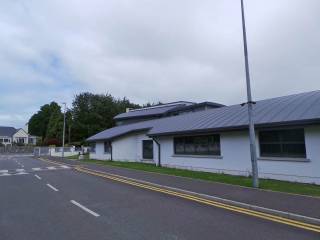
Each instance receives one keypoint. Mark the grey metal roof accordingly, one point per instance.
(122, 130)
(293, 109)
(195, 106)
(7, 131)
(151, 111)
(303, 108)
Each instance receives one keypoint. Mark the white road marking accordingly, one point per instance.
(21, 173)
(4, 171)
(36, 169)
(20, 170)
(52, 187)
(37, 176)
(84, 208)
(51, 168)
(5, 174)
(64, 166)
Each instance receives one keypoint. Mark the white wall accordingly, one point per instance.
(235, 158)
(99, 154)
(21, 134)
(8, 139)
(129, 147)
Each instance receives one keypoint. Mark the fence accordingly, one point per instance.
(16, 149)
(41, 151)
(57, 151)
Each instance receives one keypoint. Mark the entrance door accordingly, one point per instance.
(147, 149)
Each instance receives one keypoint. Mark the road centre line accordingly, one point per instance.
(37, 176)
(52, 187)
(84, 208)
(266, 216)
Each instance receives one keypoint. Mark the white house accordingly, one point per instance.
(10, 135)
(216, 139)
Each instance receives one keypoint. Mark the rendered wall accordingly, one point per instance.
(235, 158)
(129, 147)
(99, 154)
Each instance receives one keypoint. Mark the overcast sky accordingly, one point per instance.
(150, 51)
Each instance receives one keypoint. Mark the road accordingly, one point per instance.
(45, 201)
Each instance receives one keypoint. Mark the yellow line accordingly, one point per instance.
(254, 213)
(53, 162)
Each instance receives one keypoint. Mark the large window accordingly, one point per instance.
(197, 145)
(107, 147)
(282, 143)
(147, 149)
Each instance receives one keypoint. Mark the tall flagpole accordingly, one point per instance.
(250, 103)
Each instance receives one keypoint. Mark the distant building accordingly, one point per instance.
(11, 135)
(215, 138)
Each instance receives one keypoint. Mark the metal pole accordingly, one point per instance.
(250, 104)
(64, 128)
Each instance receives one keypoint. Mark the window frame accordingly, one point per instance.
(109, 147)
(143, 149)
(93, 146)
(196, 142)
(281, 143)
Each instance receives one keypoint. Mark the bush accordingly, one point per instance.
(51, 141)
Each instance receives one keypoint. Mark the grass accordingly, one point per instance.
(268, 184)
(76, 157)
(73, 157)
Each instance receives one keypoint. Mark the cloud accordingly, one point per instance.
(153, 51)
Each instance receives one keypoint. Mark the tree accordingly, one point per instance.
(90, 113)
(55, 124)
(95, 112)
(38, 123)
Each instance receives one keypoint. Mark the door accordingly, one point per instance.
(147, 149)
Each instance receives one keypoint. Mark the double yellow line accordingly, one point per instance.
(254, 213)
(266, 216)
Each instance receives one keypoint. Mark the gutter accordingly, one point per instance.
(111, 158)
(159, 151)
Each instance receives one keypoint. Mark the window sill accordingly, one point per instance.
(147, 159)
(284, 159)
(198, 156)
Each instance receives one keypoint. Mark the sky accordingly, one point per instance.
(153, 50)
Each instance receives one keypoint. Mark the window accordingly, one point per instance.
(107, 147)
(6, 140)
(147, 149)
(197, 145)
(282, 143)
(93, 147)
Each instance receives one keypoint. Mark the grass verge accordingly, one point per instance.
(268, 184)
(76, 157)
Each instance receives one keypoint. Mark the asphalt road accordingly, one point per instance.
(50, 202)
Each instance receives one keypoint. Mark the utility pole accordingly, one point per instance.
(250, 103)
(64, 127)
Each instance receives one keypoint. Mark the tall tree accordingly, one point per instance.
(38, 123)
(55, 124)
(94, 112)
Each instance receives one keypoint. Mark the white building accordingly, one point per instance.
(11, 135)
(217, 139)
